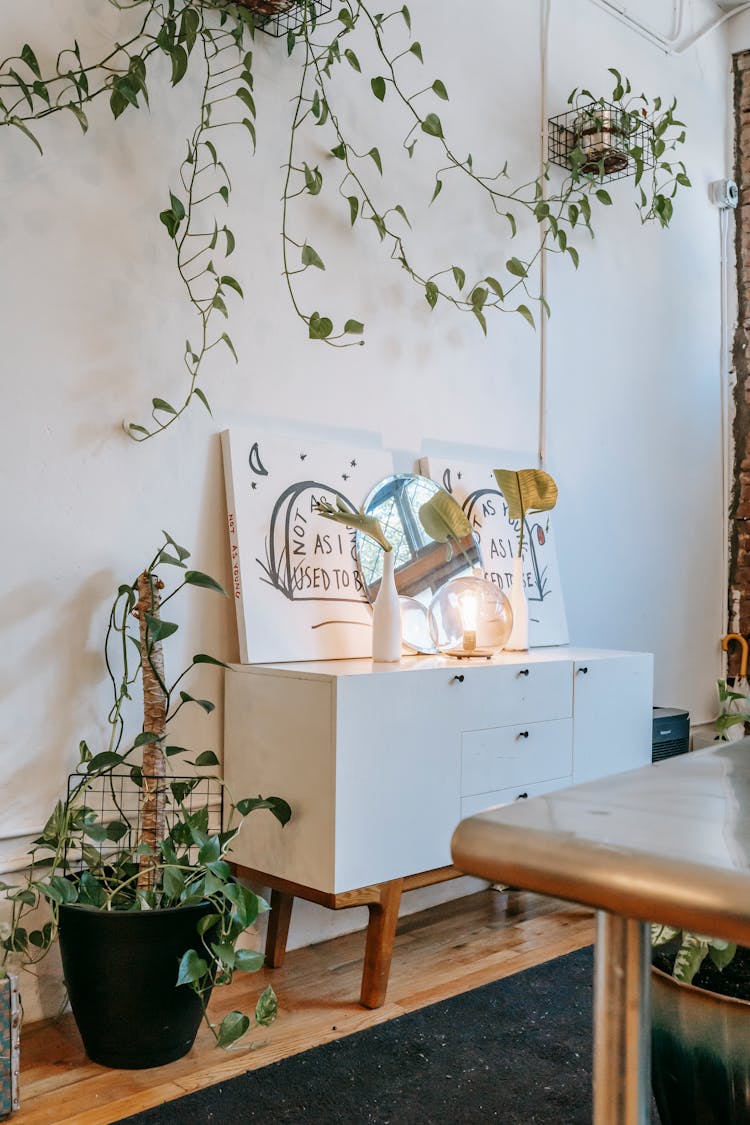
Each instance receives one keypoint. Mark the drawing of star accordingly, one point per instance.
(302, 456)
(459, 475)
(253, 484)
(353, 464)
(345, 476)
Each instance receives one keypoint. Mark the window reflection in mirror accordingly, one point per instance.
(422, 565)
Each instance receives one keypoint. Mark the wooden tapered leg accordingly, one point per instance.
(278, 928)
(381, 933)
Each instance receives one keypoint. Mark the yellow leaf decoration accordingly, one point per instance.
(524, 491)
(368, 525)
(443, 519)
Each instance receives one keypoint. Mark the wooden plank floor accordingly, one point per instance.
(438, 953)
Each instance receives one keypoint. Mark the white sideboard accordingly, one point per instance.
(380, 762)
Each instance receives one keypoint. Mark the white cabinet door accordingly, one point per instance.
(612, 716)
(397, 774)
(279, 741)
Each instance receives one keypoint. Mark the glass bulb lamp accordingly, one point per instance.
(470, 617)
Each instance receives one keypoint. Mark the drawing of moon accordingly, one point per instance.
(447, 481)
(255, 462)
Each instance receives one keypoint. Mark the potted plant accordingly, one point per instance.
(132, 862)
(213, 40)
(700, 1024)
(600, 136)
(731, 720)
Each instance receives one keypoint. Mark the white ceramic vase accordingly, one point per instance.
(386, 617)
(518, 640)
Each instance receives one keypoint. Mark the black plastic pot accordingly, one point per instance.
(121, 971)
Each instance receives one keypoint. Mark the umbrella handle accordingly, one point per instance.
(743, 645)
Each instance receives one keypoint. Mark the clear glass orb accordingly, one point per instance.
(470, 617)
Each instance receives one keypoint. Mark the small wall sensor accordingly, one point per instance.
(723, 193)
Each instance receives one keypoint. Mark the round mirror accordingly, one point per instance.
(432, 542)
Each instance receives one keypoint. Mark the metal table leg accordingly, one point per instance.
(622, 1021)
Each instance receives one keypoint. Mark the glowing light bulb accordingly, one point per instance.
(469, 617)
(468, 607)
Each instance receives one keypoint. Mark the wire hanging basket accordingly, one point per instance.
(602, 140)
(279, 17)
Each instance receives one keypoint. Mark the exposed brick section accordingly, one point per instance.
(739, 568)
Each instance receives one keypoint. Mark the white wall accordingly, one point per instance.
(93, 320)
(738, 32)
(635, 391)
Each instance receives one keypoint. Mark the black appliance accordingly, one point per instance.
(671, 733)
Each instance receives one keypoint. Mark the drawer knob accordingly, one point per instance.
(523, 672)
(522, 797)
(458, 679)
(584, 670)
(522, 734)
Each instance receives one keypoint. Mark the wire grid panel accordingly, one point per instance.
(279, 17)
(114, 809)
(601, 140)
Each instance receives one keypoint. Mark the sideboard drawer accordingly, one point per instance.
(482, 801)
(491, 696)
(520, 754)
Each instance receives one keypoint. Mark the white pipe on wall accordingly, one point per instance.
(653, 37)
(543, 138)
(711, 27)
(669, 44)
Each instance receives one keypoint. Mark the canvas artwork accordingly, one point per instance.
(475, 488)
(296, 586)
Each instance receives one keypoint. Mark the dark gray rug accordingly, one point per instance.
(517, 1051)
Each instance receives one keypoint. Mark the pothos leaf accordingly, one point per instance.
(432, 125)
(192, 968)
(26, 132)
(431, 293)
(277, 805)
(310, 257)
(232, 1027)
(267, 1007)
(198, 578)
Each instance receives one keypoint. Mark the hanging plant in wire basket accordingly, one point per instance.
(213, 39)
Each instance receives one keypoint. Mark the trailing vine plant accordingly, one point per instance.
(214, 37)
